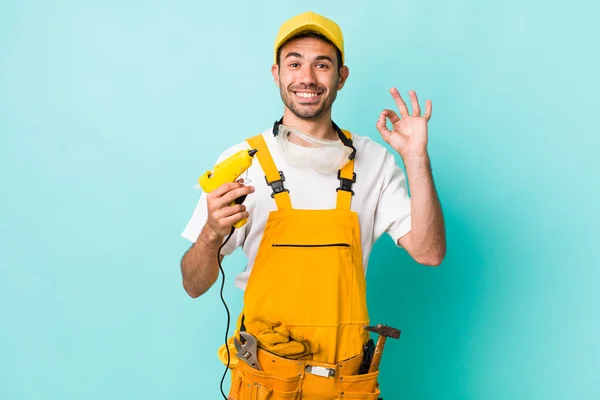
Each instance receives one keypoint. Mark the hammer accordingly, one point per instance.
(384, 332)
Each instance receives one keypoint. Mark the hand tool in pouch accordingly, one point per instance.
(384, 332)
(247, 351)
(368, 350)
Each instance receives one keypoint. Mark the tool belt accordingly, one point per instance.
(283, 378)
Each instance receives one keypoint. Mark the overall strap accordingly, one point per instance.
(273, 177)
(347, 177)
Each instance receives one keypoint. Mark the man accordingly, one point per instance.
(320, 197)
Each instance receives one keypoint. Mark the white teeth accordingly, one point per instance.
(306, 95)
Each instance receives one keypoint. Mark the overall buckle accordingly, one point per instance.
(346, 184)
(277, 185)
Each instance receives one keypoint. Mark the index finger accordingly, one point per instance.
(224, 189)
(399, 102)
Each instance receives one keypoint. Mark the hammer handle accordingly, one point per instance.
(377, 354)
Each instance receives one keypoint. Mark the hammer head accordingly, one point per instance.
(384, 330)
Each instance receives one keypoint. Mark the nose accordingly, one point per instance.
(308, 76)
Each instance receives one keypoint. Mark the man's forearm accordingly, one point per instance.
(199, 265)
(428, 236)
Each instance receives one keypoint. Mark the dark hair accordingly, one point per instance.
(315, 35)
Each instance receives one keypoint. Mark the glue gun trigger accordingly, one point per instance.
(240, 199)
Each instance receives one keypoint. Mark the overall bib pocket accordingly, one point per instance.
(316, 269)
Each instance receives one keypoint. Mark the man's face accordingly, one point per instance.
(308, 77)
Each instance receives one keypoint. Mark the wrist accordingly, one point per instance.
(421, 156)
(210, 237)
(418, 165)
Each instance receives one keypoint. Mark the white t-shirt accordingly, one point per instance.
(380, 198)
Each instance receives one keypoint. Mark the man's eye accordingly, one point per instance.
(294, 65)
(321, 65)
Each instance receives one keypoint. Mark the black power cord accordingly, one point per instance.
(226, 309)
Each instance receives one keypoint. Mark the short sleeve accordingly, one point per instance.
(393, 214)
(199, 216)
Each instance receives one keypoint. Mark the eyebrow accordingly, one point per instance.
(295, 54)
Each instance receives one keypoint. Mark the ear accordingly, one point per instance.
(275, 72)
(344, 73)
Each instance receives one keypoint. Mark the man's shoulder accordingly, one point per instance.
(241, 145)
(367, 146)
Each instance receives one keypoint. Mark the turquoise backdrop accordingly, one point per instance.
(110, 110)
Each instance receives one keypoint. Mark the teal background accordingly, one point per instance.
(109, 112)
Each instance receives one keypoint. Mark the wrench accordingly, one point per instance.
(247, 351)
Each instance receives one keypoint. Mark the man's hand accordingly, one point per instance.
(409, 133)
(222, 216)
(426, 241)
(200, 264)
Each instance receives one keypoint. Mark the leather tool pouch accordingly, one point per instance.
(288, 379)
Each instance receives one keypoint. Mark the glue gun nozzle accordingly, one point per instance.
(252, 152)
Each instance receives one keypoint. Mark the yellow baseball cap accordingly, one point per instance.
(310, 21)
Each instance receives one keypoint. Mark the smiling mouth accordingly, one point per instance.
(307, 95)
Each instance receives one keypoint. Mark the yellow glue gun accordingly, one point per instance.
(227, 171)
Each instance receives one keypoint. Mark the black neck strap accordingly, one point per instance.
(346, 140)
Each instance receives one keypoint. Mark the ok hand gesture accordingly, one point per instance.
(409, 133)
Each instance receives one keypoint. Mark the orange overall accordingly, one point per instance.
(307, 286)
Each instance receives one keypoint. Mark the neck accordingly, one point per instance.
(320, 127)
